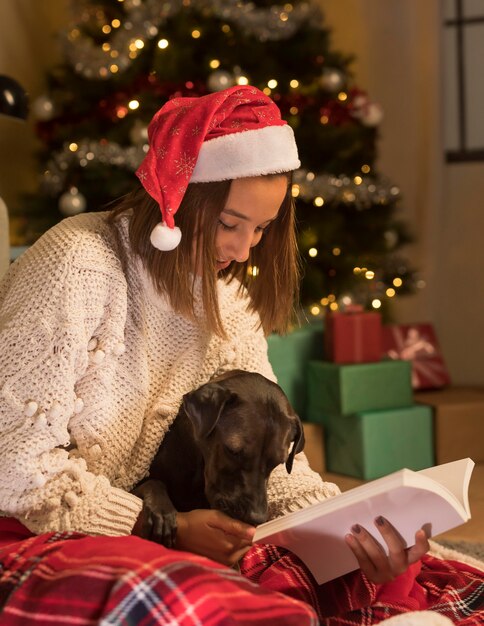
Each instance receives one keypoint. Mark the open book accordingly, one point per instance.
(435, 498)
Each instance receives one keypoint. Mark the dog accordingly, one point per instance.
(228, 436)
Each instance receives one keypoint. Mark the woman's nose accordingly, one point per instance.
(242, 246)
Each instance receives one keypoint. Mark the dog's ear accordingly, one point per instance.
(204, 407)
(298, 444)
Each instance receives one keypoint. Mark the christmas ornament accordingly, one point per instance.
(43, 108)
(391, 238)
(139, 133)
(372, 115)
(72, 202)
(332, 79)
(220, 80)
(362, 108)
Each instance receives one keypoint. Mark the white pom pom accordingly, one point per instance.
(165, 238)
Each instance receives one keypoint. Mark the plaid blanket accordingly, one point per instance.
(70, 578)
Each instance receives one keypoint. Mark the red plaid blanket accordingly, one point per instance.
(69, 578)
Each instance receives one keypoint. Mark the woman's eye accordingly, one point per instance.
(226, 226)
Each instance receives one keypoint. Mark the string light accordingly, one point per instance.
(294, 83)
(365, 169)
(369, 275)
(295, 190)
(315, 310)
(324, 119)
(106, 29)
(272, 84)
(115, 23)
(318, 201)
(196, 34)
(267, 91)
(342, 96)
(133, 104)
(332, 297)
(357, 180)
(113, 68)
(356, 270)
(376, 304)
(162, 44)
(312, 252)
(390, 292)
(397, 282)
(324, 301)
(242, 80)
(293, 110)
(214, 63)
(333, 306)
(336, 251)
(73, 147)
(226, 28)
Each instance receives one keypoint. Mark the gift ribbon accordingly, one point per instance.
(414, 346)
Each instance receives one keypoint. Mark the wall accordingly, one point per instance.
(398, 49)
(28, 45)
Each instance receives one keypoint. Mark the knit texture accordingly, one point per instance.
(93, 367)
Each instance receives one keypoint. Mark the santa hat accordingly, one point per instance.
(230, 134)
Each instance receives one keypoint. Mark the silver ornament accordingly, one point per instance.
(43, 108)
(139, 133)
(72, 202)
(332, 79)
(220, 80)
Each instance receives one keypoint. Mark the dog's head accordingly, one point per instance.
(244, 426)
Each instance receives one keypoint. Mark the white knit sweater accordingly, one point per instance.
(93, 366)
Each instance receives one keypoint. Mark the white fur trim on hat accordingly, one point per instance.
(267, 150)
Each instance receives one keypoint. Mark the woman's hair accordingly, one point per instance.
(270, 275)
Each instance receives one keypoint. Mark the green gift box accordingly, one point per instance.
(335, 389)
(371, 444)
(289, 356)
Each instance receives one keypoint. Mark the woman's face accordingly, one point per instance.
(252, 204)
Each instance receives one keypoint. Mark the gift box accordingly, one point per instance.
(314, 446)
(289, 356)
(371, 444)
(344, 389)
(353, 336)
(418, 344)
(458, 422)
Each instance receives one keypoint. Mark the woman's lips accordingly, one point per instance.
(221, 265)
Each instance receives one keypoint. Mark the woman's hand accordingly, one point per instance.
(374, 562)
(214, 535)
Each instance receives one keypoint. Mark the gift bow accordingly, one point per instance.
(413, 346)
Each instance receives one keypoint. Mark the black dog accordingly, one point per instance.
(225, 441)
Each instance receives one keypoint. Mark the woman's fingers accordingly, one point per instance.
(374, 561)
(421, 547)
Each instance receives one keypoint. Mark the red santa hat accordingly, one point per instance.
(230, 134)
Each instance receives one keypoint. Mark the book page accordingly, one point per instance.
(455, 476)
(409, 500)
(320, 543)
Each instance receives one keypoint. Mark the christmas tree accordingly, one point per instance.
(125, 58)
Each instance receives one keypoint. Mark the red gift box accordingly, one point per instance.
(353, 336)
(417, 343)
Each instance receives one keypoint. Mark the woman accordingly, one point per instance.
(104, 324)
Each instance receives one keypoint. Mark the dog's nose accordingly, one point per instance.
(255, 517)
